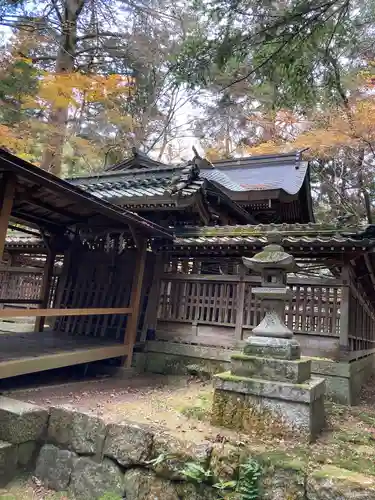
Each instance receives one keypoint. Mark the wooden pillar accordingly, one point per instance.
(45, 289)
(344, 311)
(153, 299)
(7, 190)
(240, 305)
(135, 299)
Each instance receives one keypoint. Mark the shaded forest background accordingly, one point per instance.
(84, 81)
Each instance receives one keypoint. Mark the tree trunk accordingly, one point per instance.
(57, 121)
(362, 187)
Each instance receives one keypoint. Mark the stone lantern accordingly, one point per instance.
(270, 381)
(272, 264)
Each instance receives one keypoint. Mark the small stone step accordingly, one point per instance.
(296, 371)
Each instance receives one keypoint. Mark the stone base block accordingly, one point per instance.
(273, 347)
(269, 406)
(296, 371)
(21, 422)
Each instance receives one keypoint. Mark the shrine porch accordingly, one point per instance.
(22, 353)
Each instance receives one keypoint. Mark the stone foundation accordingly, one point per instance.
(344, 380)
(87, 458)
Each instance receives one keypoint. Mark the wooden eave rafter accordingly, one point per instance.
(69, 199)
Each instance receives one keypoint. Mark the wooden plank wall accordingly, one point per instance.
(99, 278)
(23, 283)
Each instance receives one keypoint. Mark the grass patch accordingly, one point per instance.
(356, 437)
(200, 409)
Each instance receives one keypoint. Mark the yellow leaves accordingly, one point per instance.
(70, 90)
(268, 147)
(213, 154)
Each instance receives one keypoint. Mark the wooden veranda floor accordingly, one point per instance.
(28, 352)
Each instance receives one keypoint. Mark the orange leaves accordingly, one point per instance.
(327, 131)
(66, 90)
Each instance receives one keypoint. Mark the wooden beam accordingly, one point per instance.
(11, 313)
(369, 268)
(45, 289)
(136, 294)
(19, 301)
(40, 363)
(20, 269)
(7, 191)
(138, 239)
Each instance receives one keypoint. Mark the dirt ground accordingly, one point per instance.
(179, 404)
(182, 405)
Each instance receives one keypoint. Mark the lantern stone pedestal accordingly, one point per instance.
(269, 388)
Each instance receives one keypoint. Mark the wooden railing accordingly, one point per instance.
(227, 300)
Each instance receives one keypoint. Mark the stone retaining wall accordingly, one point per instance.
(86, 457)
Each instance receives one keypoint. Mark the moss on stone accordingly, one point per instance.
(331, 471)
(227, 409)
(282, 460)
(236, 378)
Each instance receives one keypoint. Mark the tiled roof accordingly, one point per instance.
(292, 235)
(266, 172)
(19, 239)
(122, 187)
(141, 177)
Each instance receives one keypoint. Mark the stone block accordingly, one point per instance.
(283, 370)
(251, 413)
(21, 422)
(88, 434)
(80, 432)
(27, 453)
(303, 393)
(176, 453)
(60, 426)
(54, 467)
(273, 347)
(8, 462)
(334, 483)
(128, 443)
(145, 485)
(91, 480)
(283, 477)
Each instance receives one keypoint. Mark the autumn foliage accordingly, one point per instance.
(25, 129)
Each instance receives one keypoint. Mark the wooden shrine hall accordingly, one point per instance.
(103, 247)
(108, 283)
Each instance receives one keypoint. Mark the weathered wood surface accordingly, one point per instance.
(13, 313)
(360, 317)
(100, 279)
(22, 353)
(135, 300)
(228, 301)
(45, 289)
(7, 191)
